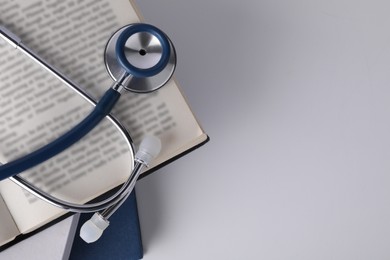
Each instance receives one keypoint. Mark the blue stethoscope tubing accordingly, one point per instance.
(102, 108)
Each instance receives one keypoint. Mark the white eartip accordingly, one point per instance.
(149, 148)
(93, 228)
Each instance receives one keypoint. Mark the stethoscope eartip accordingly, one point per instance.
(93, 229)
(149, 148)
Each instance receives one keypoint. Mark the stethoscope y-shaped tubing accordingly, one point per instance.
(102, 109)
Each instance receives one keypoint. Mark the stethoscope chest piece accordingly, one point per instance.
(145, 53)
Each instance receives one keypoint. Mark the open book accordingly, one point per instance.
(35, 108)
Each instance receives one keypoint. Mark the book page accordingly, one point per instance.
(72, 35)
(8, 229)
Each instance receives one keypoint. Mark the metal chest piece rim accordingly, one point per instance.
(144, 52)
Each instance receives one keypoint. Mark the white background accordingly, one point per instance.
(295, 97)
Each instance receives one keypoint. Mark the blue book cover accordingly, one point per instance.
(121, 240)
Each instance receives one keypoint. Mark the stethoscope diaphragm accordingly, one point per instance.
(145, 53)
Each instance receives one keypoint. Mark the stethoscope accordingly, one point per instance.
(140, 58)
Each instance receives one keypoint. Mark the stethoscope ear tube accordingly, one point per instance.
(82, 208)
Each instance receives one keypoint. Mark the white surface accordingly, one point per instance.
(48, 244)
(301, 90)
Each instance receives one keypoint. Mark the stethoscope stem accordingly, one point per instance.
(118, 84)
